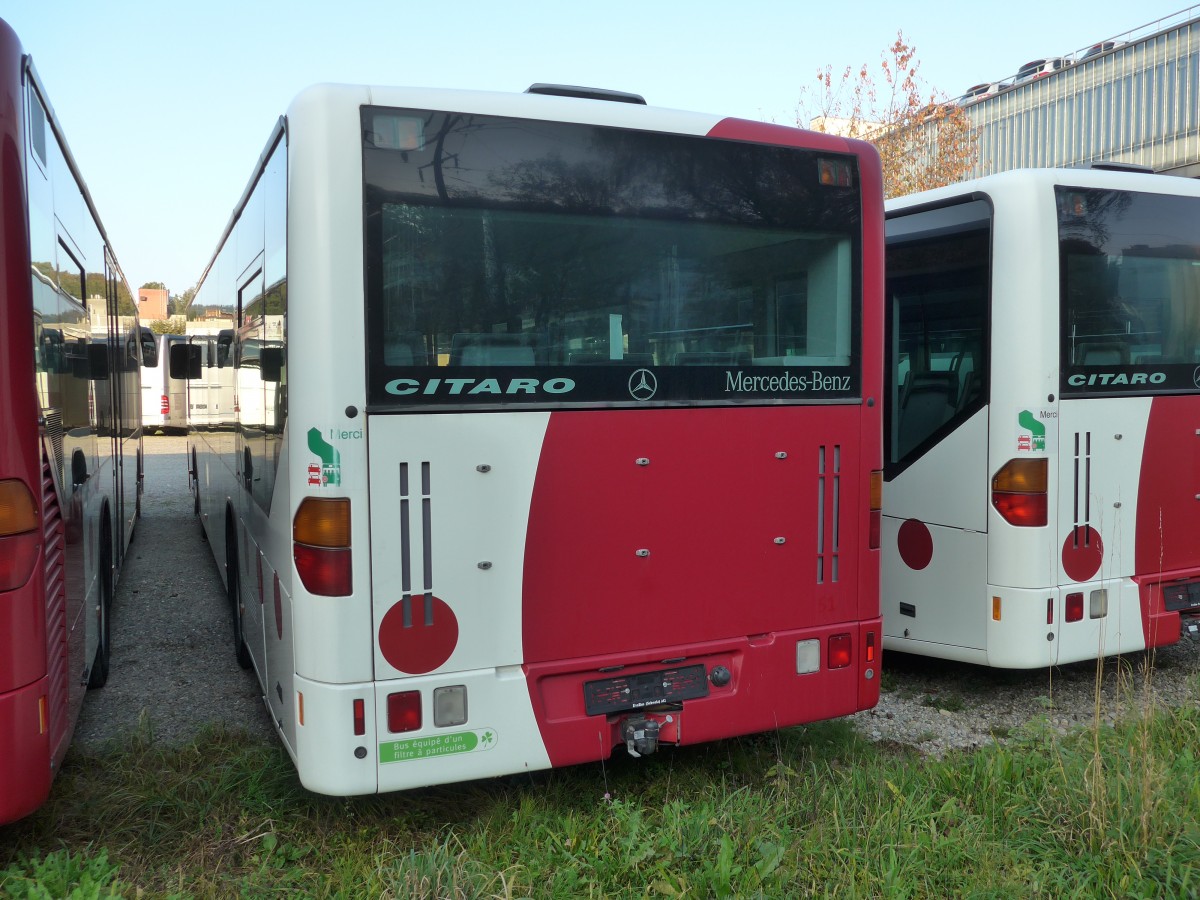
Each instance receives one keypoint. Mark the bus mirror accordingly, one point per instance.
(97, 357)
(184, 360)
(271, 361)
(149, 349)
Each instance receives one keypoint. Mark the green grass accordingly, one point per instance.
(814, 811)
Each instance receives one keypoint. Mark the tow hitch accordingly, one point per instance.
(642, 734)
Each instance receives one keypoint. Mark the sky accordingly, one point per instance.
(166, 106)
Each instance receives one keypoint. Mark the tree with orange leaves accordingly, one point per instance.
(924, 139)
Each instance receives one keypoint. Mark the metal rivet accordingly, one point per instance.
(485, 468)
(781, 455)
(485, 565)
(642, 461)
(780, 540)
(1117, 505)
(1116, 437)
(642, 553)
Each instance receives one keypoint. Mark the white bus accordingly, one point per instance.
(1042, 494)
(556, 427)
(164, 399)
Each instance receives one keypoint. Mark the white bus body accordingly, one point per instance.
(551, 426)
(1042, 493)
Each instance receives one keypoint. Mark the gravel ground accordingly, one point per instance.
(171, 621)
(172, 636)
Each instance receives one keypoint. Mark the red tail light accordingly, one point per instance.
(323, 572)
(839, 651)
(360, 717)
(404, 711)
(1074, 607)
(870, 648)
(165, 405)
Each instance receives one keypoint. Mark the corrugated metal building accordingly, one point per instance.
(1132, 99)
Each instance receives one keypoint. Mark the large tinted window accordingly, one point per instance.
(514, 262)
(938, 277)
(1130, 273)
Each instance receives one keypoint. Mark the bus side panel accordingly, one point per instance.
(1100, 453)
(935, 544)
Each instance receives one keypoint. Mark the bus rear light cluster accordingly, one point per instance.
(321, 546)
(360, 716)
(164, 405)
(876, 509)
(869, 650)
(1019, 492)
(404, 712)
(18, 534)
(838, 653)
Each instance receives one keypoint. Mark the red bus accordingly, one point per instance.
(70, 436)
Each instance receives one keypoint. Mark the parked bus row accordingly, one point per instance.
(70, 437)
(602, 435)
(553, 423)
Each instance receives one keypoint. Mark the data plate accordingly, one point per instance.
(644, 689)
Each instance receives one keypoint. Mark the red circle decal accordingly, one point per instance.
(427, 641)
(1082, 553)
(915, 544)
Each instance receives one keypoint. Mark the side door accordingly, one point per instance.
(935, 499)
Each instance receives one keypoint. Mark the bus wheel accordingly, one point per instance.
(98, 675)
(235, 597)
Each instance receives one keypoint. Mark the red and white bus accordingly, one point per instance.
(70, 437)
(1042, 492)
(556, 427)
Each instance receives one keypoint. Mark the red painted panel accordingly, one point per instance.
(713, 537)
(25, 750)
(1168, 513)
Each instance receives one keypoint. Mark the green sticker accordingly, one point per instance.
(437, 745)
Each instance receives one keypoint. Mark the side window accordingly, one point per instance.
(938, 279)
(37, 127)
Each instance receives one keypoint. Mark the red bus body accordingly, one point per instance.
(68, 416)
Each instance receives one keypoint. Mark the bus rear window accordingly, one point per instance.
(1130, 283)
(539, 263)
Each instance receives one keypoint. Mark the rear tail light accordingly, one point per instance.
(870, 648)
(1074, 607)
(321, 546)
(404, 711)
(360, 716)
(164, 405)
(876, 509)
(1019, 492)
(839, 651)
(19, 539)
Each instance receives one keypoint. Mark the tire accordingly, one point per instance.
(98, 674)
(234, 589)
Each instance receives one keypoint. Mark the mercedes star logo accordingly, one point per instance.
(642, 384)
